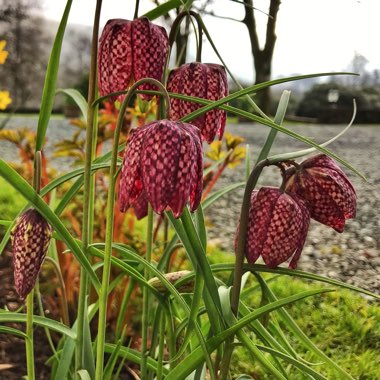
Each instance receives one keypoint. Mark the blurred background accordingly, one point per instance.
(261, 41)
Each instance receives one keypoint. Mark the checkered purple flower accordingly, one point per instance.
(277, 227)
(202, 80)
(163, 163)
(30, 239)
(130, 51)
(328, 192)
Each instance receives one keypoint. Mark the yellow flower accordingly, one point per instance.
(5, 99)
(3, 53)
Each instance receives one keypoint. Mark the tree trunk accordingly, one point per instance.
(262, 57)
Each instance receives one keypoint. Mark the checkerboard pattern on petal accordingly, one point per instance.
(30, 239)
(130, 51)
(201, 80)
(163, 163)
(329, 194)
(277, 227)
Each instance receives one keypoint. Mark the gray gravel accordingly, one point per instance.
(354, 255)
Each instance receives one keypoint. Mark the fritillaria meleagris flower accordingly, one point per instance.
(130, 51)
(202, 80)
(277, 227)
(163, 166)
(30, 239)
(328, 193)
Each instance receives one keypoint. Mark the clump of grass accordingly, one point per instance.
(342, 324)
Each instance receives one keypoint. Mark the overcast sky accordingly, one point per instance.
(313, 35)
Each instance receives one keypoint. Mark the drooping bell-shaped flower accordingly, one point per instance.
(30, 239)
(201, 80)
(277, 227)
(328, 192)
(130, 51)
(162, 165)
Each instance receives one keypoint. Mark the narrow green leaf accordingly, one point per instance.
(201, 227)
(14, 179)
(278, 119)
(65, 358)
(8, 316)
(219, 103)
(163, 9)
(70, 175)
(219, 193)
(201, 258)
(134, 356)
(303, 338)
(78, 98)
(68, 350)
(257, 355)
(171, 288)
(109, 368)
(51, 80)
(295, 273)
(297, 363)
(196, 356)
(11, 330)
(84, 375)
(88, 354)
(304, 152)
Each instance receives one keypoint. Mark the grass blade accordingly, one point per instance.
(8, 316)
(295, 273)
(303, 338)
(163, 9)
(78, 99)
(51, 80)
(196, 356)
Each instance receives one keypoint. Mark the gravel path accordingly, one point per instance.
(354, 255)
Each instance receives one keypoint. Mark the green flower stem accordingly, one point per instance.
(136, 14)
(103, 295)
(146, 308)
(42, 314)
(63, 298)
(175, 29)
(86, 237)
(30, 298)
(161, 346)
(239, 261)
(29, 333)
(123, 308)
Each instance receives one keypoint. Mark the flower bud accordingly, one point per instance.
(277, 227)
(201, 80)
(329, 194)
(30, 240)
(173, 277)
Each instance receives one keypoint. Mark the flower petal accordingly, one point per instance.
(115, 57)
(150, 51)
(131, 185)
